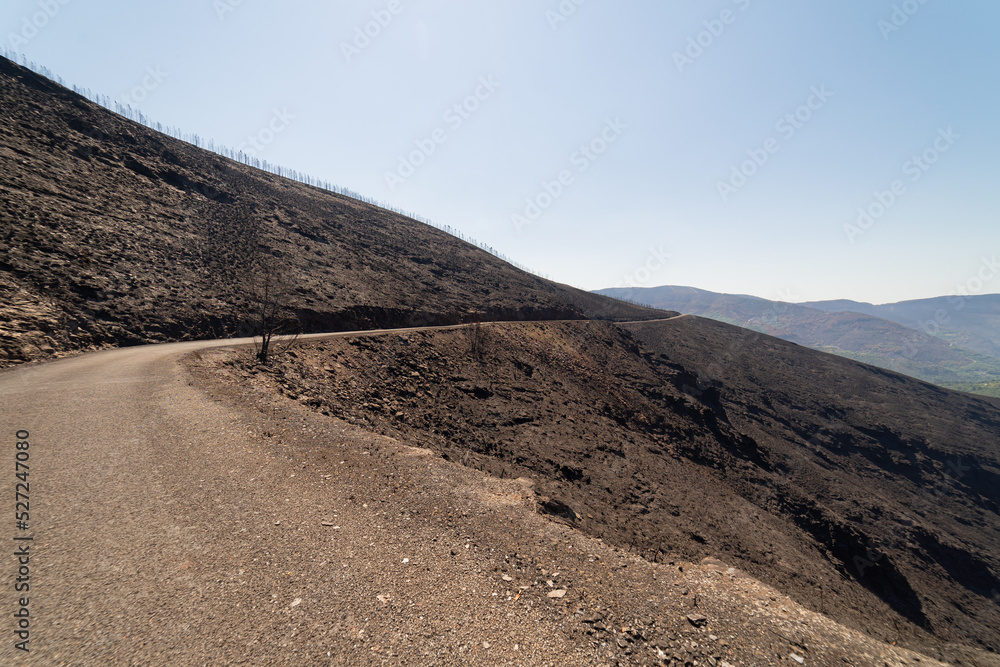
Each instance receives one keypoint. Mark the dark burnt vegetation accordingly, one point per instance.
(870, 497)
(136, 237)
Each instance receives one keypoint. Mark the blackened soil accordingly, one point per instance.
(865, 495)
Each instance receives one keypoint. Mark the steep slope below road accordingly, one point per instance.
(898, 481)
(836, 486)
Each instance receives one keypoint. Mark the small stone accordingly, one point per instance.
(296, 602)
(507, 577)
(557, 593)
(697, 620)
(797, 658)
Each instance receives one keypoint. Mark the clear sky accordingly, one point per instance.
(731, 145)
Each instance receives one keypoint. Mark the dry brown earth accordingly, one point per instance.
(662, 438)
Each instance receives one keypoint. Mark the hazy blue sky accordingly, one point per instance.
(729, 143)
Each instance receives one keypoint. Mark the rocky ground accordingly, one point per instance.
(630, 440)
(462, 567)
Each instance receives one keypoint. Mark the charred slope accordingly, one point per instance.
(111, 233)
(895, 480)
(863, 494)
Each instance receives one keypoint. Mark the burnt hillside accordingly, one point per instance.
(114, 234)
(864, 494)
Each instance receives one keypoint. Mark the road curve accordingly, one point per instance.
(159, 527)
(107, 433)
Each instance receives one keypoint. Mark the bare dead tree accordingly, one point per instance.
(269, 288)
(477, 339)
(247, 271)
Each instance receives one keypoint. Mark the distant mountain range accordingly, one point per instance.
(971, 322)
(951, 341)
